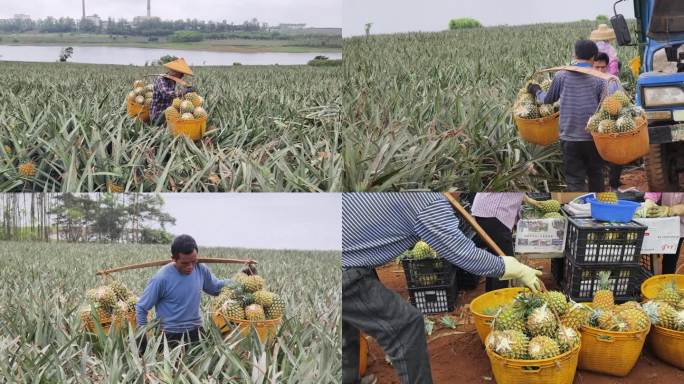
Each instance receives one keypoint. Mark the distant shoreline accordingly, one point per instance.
(226, 45)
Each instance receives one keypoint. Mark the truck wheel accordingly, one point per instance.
(660, 169)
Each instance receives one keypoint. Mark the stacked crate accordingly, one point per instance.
(593, 246)
(431, 284)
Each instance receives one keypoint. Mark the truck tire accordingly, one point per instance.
(659, 170)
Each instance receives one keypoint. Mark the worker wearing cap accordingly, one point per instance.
(378, 227)
(165, 88)
(602, 36)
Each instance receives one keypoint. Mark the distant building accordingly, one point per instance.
(21, 16)
(95, 20)
(284, 26)
(141, 19)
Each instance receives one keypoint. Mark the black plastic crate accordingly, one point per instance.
(466, 280)
(596, 242)
(580, 282)
(435, 299)
(557, 269)
(428, 272)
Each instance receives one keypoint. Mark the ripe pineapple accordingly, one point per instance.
(556, 301)
(194, 98)
(622, 98)
(277, 308)
(509, 344)
(577, 316)
(422, 250)
(27, 169)
(609, 321)
(171, 114)
(543, 347)
(661, 314)
(627, 305)
(176, 103)
(232, 309)
(546, 110)
(186, 106)
(542, 321)
(254, 312)
(140, 99)
(86, 318)
(138, 84)
(603, 297)
(263, 298)
(104, 296)
(669, 293)
(552, 215)
(510, 317)
(199, 113)
(612, 105)
(625, 124)
(253, 283)
(606, 126)
(120, 290)
(607, 197)
(636, 319)
(567, 338)
(131, 302)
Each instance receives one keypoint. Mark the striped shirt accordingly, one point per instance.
(503, 206)
(378, 227)
(164, 93)
(579, 96)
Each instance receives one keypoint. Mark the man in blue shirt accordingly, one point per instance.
(378, 227)
(579, 95)
(175, 291)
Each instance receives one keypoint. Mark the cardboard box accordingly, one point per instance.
(662, 235)
(566, 197)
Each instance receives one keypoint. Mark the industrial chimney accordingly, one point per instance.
(148, 8)
(84, 9)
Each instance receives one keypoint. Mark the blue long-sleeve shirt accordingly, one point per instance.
(579, 95)
(176, 297)
(377, 227)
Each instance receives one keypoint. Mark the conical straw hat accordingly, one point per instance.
(603, 32)
(179, 66)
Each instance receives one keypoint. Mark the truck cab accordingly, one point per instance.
(660, 87)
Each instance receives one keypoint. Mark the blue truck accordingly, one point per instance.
(660, 85)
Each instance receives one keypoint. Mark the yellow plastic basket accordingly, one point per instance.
(557, 370)
(480, 304)
(265, 329)
(138, 111)
(542, 131)
(612, 353)
(668, 345)
(363, 355)
(107, 323)
(194, 128)
(650, 286)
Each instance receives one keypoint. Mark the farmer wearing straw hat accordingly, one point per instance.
(602, 36)
(165, 88)
(176, 290)
(376, 228)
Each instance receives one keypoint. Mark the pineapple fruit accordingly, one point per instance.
(188, 108)
(603, 297)
(526, 105)
(509, 344)
(248, 299)
(607, 197)
(667, 309)
(141, 94)
(616, 114)
(113, 303)
(543, 347)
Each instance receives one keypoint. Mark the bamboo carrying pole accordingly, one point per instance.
(164, 262)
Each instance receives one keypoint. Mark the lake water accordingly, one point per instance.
(138, 56)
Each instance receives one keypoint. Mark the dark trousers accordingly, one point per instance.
(582, 162)
(670, 261)
(503, 237)
(614, 172)
(174, 339)
(396, 325)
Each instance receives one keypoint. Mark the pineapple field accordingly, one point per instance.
(42, 339)
(270, 128)
(435, 110)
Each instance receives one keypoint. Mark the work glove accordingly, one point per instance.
(677, 210)
(249, 270)
(529, 277)
(665, 211)
(533, 89)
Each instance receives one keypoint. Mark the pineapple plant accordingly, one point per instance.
(603, 297)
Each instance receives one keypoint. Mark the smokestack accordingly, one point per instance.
(148, 8)
(83, 9)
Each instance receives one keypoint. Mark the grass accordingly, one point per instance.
(43, 284)
(270, 128)
(433, 110)
(293, 45)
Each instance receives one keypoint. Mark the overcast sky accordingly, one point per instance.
(259, 220)
(315, 13)
(391, 16)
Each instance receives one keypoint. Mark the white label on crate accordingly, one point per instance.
(661, 236)
(540, 235)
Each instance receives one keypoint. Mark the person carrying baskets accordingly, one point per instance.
(165, 88)
(579, 95)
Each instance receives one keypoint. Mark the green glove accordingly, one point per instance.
(529, 277)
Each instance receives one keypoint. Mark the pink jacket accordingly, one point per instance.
(669, 199)
(609, 50)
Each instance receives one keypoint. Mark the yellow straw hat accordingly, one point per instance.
(603, 32)
(179, 66)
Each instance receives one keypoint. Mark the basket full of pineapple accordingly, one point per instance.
(111, 305)
(535, 336)
(619, 129)
(248, 304)
(665, 308)
(138, 100)
(614, 335)
(537, 123)
(187, 116)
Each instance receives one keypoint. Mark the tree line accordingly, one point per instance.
(102, 217)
